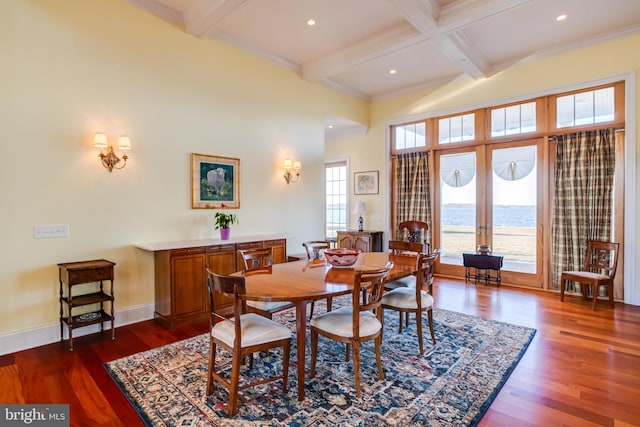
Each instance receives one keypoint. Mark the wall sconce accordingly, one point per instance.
(360, 210)
(296, 166)
(110, 159)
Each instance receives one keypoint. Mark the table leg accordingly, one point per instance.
(301, 342)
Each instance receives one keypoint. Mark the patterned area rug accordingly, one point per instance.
(453, 384)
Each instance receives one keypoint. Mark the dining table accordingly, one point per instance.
(302, 282)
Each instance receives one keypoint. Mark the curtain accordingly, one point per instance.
(412, 189)
(583, 198)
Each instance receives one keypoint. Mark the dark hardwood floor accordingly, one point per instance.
(581, 369)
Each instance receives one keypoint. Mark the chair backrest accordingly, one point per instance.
(398, 247)
(315, 248)
(414, 231)
(424, 275)
(602, 257)
(256, 258)
(373, 299)
(229, 285)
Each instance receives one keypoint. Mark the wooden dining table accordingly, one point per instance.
(302, 282)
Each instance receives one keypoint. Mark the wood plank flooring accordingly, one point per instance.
(581, 369)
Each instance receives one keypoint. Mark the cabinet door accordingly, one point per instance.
(363, 243)
(345, 240)
(279, 248)
(189, 291)
(221, 260)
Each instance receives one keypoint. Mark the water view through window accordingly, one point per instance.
(511, 228)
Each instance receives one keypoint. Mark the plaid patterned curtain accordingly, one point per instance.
(412, 189)
(583, 199)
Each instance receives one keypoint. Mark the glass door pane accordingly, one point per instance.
(514, 207)
(457, 206)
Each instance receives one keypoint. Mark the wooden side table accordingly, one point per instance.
(483, 265)
(75, 273)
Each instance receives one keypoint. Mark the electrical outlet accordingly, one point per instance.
(50, 231)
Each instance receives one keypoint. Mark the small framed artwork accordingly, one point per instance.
(215, 181)
(365, 182)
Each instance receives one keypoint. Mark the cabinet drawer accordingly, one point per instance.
(220, 248)
(187, 251)
(249, 245)
(75, 277)
(279, 242)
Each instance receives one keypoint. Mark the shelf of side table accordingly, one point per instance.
(75, 273)
(483, 265)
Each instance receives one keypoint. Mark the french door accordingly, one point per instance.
(490, 195)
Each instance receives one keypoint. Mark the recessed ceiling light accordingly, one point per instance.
(392, 71)
(561, 17)
(330, 126)
(311, 22)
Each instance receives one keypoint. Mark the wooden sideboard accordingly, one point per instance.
(366, 241)
(181, 273)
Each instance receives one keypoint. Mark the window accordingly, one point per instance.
(513, 120)
(335, 197)
(410, 136)
(457, 129)
(585, 108)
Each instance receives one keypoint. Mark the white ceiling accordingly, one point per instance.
(355, 43)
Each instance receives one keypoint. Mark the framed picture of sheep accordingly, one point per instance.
(215, 182)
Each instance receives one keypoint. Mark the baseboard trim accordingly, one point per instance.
(12, 342)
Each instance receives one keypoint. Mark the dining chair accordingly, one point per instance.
(416, 299)
(601, 262)
(410, 249)
(255, 260)
(414, 231)
(241, 335)
(355, 324)
(315, 253)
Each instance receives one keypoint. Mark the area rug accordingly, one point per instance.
(452, 384)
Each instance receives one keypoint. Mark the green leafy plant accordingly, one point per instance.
(224, 220)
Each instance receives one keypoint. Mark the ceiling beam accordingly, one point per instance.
(372, 47)
(424, 15)
(203, 16)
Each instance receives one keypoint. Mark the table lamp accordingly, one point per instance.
(360, 210)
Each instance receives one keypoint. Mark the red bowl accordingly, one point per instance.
(341, 257)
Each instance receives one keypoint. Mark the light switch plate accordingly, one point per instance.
(50, 231)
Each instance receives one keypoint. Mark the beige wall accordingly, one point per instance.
(74, 67)
(535, 77)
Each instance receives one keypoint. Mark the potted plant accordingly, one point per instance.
(222, 222)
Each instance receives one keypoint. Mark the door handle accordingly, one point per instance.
(479, 230)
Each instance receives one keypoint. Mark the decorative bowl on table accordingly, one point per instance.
(341, 257)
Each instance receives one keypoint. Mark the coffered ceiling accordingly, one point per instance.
(379, 48)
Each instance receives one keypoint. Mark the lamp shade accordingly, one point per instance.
(359, 209)
(100, 140)
(124, 143)
(287, 164)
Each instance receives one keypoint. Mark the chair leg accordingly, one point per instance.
(311, 309)
(212, 367)
(347, 353)
(406, 319)
(356, 366)
(400, 323)
(329, 303)
(378, 357)
(563, 284)
(286, 351)
(430, 317)
(233, 386)
(594, 291)
(314, 353)
(610, 292)
(419, 327)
